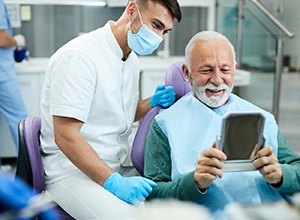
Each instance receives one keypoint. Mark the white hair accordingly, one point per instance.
(204, 36)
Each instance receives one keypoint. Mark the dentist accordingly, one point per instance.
(89, 103)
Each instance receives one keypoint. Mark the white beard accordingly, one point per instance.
(212, 101)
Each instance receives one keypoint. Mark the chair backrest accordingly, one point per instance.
(175, 78)
(29, 165)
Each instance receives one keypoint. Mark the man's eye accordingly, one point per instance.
(205, 71)
(226, 71)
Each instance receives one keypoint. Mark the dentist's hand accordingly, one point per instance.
(164, 96)
(209, 167)
(130, 189)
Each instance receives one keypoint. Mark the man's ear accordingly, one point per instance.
(130, 9)
(185, 72)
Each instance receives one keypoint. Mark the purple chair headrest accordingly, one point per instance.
(175, 78)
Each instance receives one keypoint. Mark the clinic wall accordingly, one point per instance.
(53, 26)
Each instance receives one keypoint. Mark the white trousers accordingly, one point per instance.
(83, 198)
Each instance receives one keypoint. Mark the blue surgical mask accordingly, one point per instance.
(145, 41)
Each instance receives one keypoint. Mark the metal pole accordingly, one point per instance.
(240, 32)
(277, 79)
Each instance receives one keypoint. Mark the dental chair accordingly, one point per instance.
(175, 78)
(29, 164)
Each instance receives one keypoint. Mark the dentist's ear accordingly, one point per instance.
(130, 9)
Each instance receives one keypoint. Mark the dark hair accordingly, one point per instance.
(171, 5)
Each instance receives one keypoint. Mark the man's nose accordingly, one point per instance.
(216, 78)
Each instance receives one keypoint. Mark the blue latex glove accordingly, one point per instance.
(15, 194)
(164, 96)
(130, 189)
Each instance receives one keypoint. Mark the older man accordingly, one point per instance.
(180, 155)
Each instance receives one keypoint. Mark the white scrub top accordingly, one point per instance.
(87, 80)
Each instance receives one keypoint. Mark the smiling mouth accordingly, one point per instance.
(215, 91)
